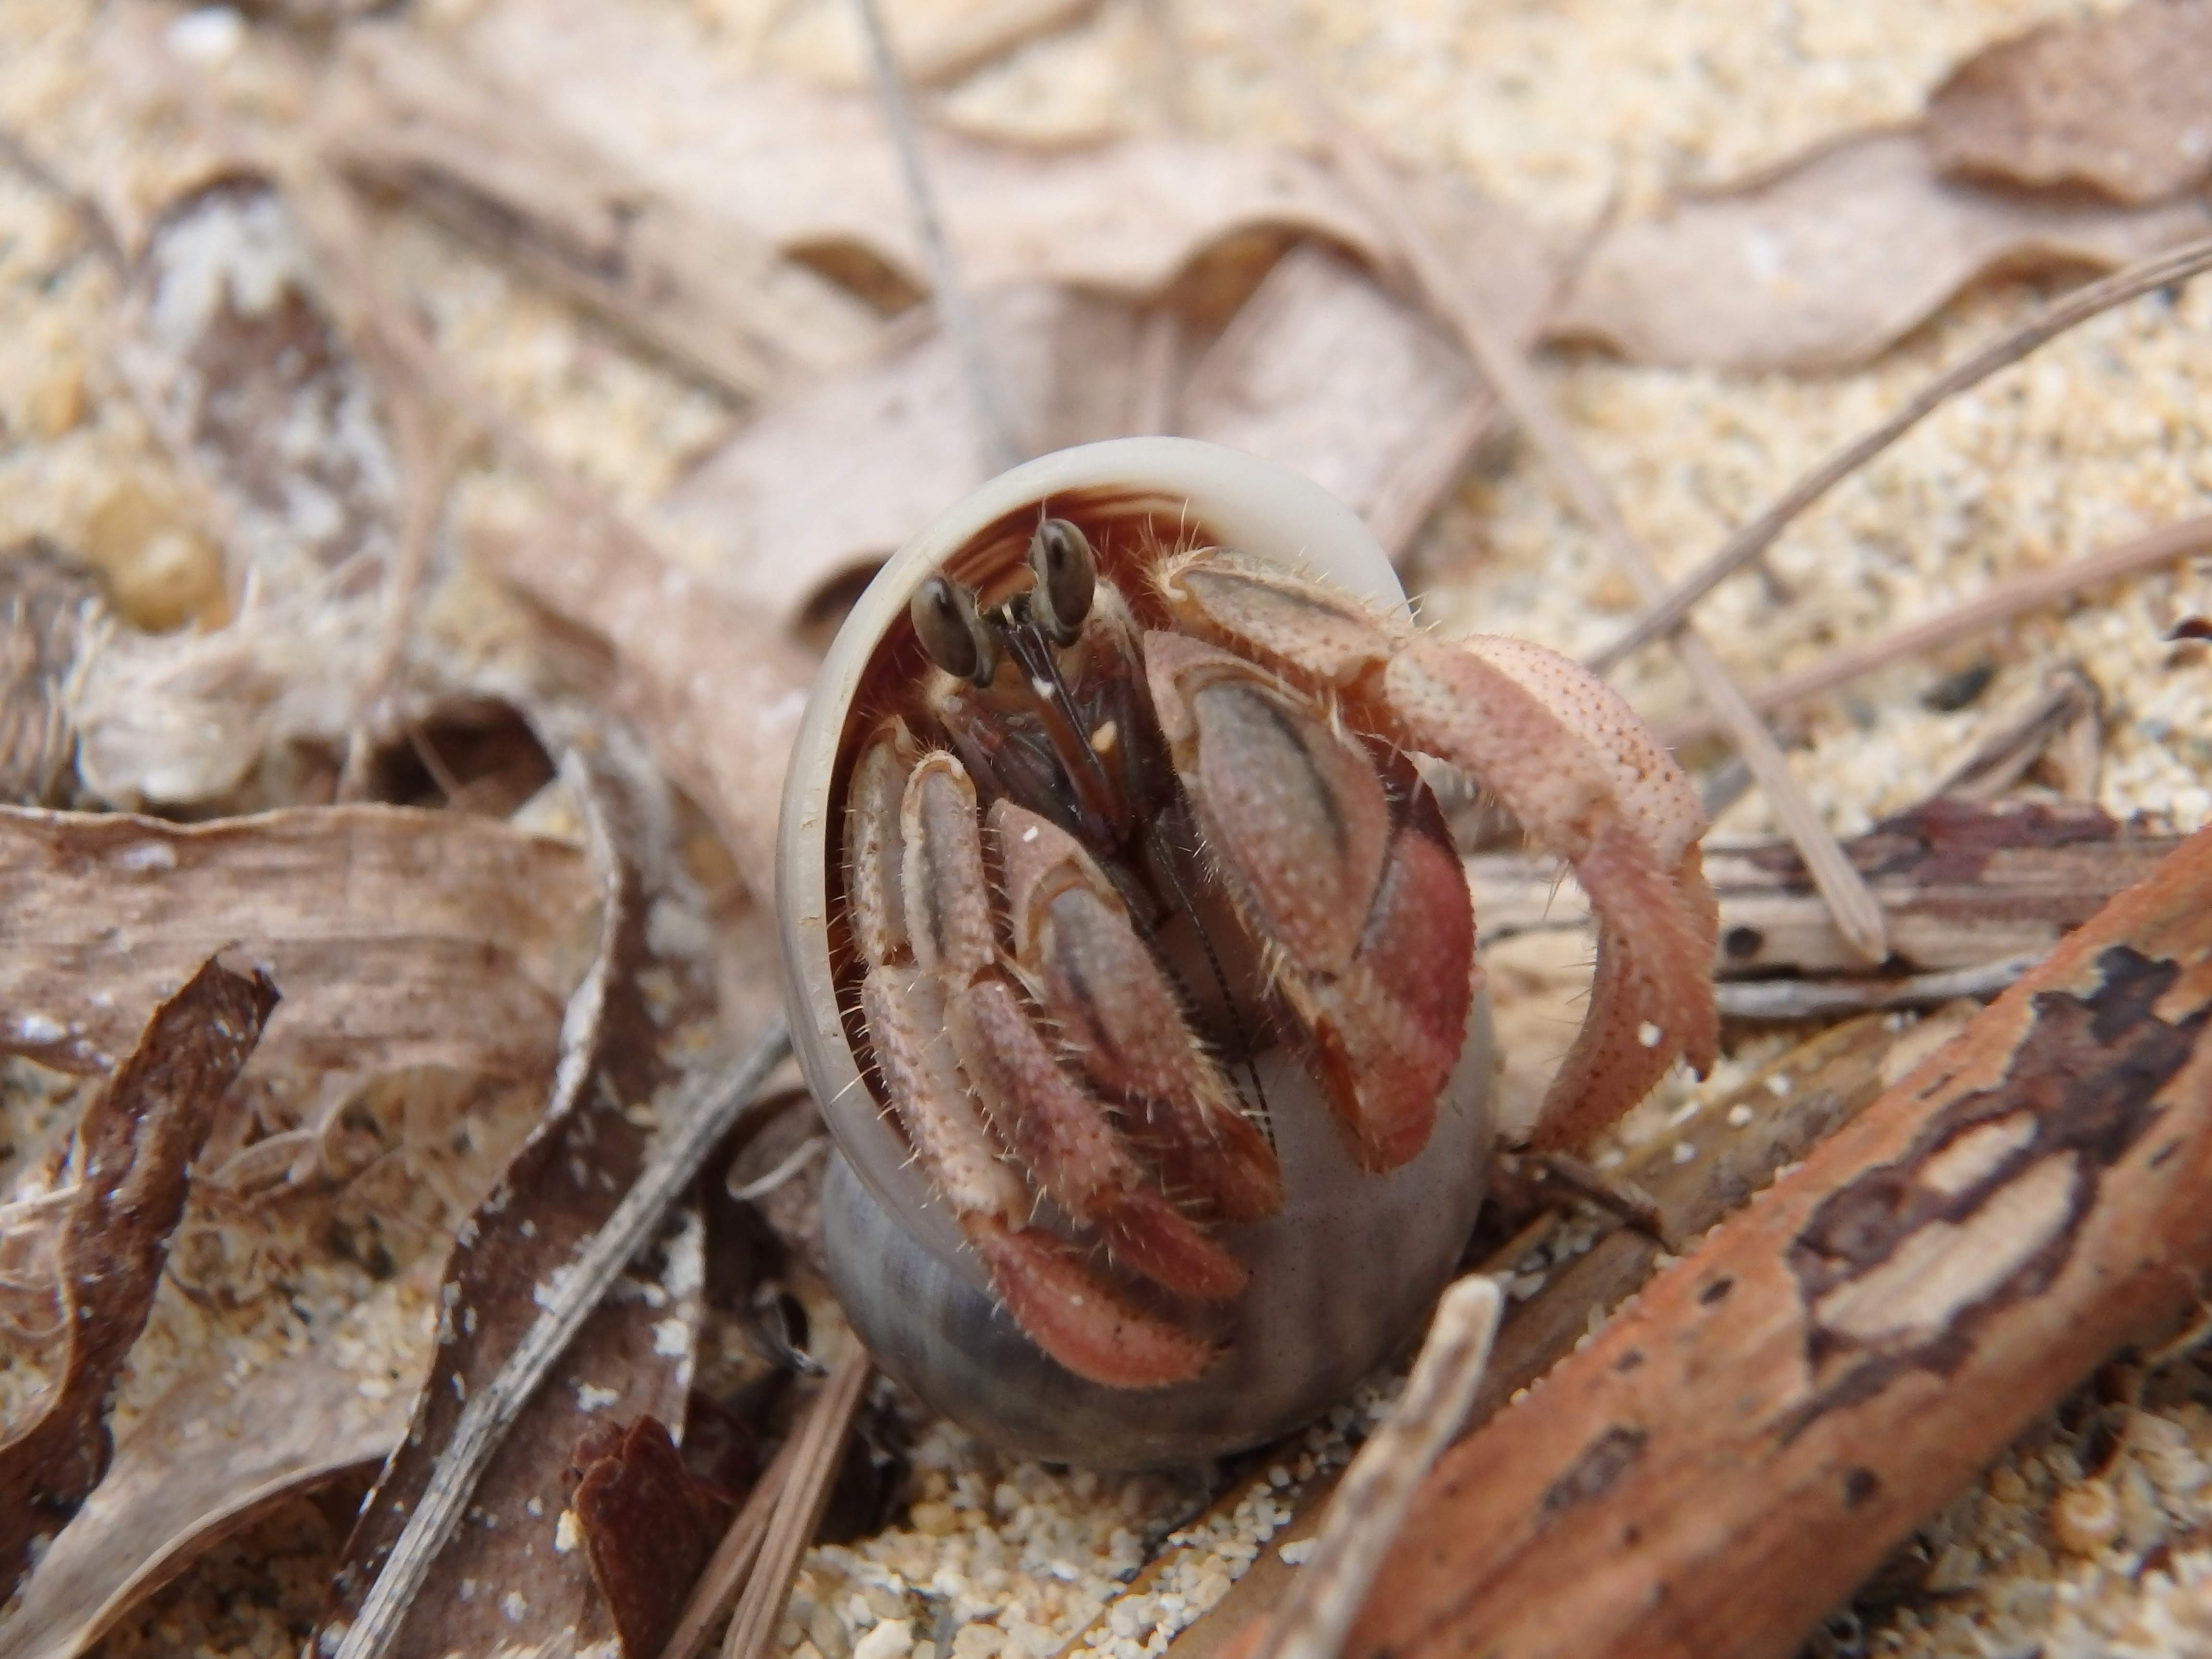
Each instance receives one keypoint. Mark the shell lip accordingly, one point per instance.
(1213, 493)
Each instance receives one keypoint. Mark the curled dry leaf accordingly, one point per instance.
(648, 1528)
(1328, 374)
(1824, 263)
(815, 173)
(633, 1357)
(136, 1143)
(711, 683)
(684, 278)
(402, 937)
(2121, 103)
(819, 489)
(208, 1458)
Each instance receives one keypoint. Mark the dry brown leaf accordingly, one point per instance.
(817, 491)
(648, 1530)
(1326, 373)
(815, 173)
(208, 1458)
(137, 1145)
(1825, 262)
(713, 684)
(402, 937)
(501, 1580)
(685, 279)
(2121, 103)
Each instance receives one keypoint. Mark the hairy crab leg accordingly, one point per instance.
(1363, 905)
(1571, 760)
(1061, 1133)
(1075, 947)
(1066, 1308)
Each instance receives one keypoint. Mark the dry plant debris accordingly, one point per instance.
(1779, 1408)
(137, 1142)
(692, 173)
(2116, 103)
(511, 1569)
(1834, 256)
(401, 938)
(205, 1459)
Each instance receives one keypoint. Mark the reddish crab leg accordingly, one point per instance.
(1368, 911)
(1116, 1010)
(1566, 755)
(946, 1030)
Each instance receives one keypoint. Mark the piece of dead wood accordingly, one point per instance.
(1961, 885)
(815, 173)
(402, 937)
(686, 280)
(2058, 718)
(1755, 1433)
(2117, 103)
(1823, 263)
(209, 1458)
(136, 1143)
(1370, 1501)
(631, 1357)
(1734, 1147)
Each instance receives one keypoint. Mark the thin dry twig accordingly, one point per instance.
(1443, 277)
(715, 1105)
(2029, 591)
(1671, 611)
(821, 1442)
(726, 1571)
(1371, 1501)
(1817, 998)
(953, 308)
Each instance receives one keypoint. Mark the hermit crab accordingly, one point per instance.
(1128, 948)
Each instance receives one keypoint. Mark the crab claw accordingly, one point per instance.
(1571, 759)
(1589, 780)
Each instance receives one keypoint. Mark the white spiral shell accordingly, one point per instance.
(1340, 1279)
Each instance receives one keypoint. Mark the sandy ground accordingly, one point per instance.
(2086, 1538)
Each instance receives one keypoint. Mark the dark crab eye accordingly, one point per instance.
(952, 631)
(1067, 577)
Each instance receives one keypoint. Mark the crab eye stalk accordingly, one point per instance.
(1067, 578)
(951, 631)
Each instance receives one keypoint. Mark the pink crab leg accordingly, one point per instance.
(1364, 905)
(1065, 1307)
(1568, 757)
(1059, 1132)
(1116, 1012)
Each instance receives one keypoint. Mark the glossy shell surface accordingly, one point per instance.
(1344, 1274)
